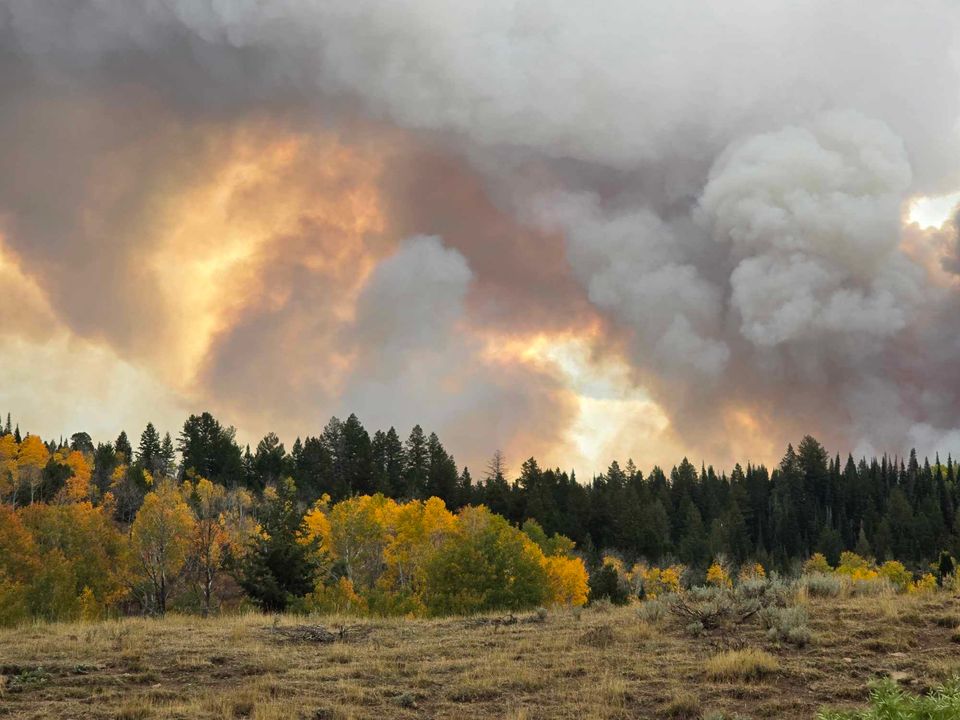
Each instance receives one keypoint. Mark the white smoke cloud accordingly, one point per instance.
(416, 364)
(411, 303)
(813, 216)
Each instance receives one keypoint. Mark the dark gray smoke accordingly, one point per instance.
(718, 187)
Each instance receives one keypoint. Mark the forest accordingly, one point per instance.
(346, 521)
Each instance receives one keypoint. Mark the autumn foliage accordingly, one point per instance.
(76, 546)
(419, 558)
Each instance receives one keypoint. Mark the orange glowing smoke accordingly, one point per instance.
(299, 199)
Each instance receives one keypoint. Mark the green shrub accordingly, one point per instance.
(896, 574)
(786, 624)
(605, 583)
(821, 585)
(709, 607)
(889, 702)
(652, 611)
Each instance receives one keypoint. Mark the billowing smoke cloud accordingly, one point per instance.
(714, 191)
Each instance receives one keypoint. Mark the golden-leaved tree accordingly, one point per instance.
(77, 488)
(9, 449)
(84, 551)
(161, 537)
(19, 561)
(418, 557)
(32, 457)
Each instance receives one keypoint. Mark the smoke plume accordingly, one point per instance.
(413, 211)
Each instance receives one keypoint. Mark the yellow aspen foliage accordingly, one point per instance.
(9, 449)
(32, 457)
(78, 484)
(751, 571)
(858, 569)
(718, 576)
(92, 548)
(8, 466)
(418, 529)
(211, 537)
(161, 537)
(926, 584)
(90, 609)
(817, 564)
(616, 563)
(317, 523)
(568, 579)
(658, 582)
(896, 574)
(32, 452)
(635, 577)
(359, 536)
(338, 597)
(19, 555)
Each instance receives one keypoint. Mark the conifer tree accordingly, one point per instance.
(281, 562)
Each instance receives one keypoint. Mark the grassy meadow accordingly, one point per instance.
(601, 661)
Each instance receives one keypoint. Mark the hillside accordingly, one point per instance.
(598, 662)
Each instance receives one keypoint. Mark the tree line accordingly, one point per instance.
(884, 507)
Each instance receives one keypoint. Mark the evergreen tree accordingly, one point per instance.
(334, 442)
(495, 493)
(441, 472)
(313, 471)
(270, 461)
(81, 442)
(209, 450)
(388, 462)
(357, 460)
(149, 455)
(123, 449)
(279, 566)
(167, 457)
(417, 464)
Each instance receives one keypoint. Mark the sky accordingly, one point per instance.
(636, 230)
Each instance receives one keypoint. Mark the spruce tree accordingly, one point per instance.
(148, 455)
(123, 448)
(417, 464)
(279, 566)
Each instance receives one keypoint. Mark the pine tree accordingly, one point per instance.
(167, 457)
(280, 565)
(313, 471)
(496, 493)
(148, 456)
(357, 460)
(122, 447)
(210, 450)
(388, 460)
(269, 461)
(441, 472)
(417, 464)
(81, 442)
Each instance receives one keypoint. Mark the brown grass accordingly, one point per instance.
(591, 664)
(749, 664)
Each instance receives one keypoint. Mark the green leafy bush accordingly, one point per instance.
(652, 611)
(787, 624)
(821, 585)
(889, 702)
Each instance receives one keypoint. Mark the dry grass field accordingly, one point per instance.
(601, 662)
